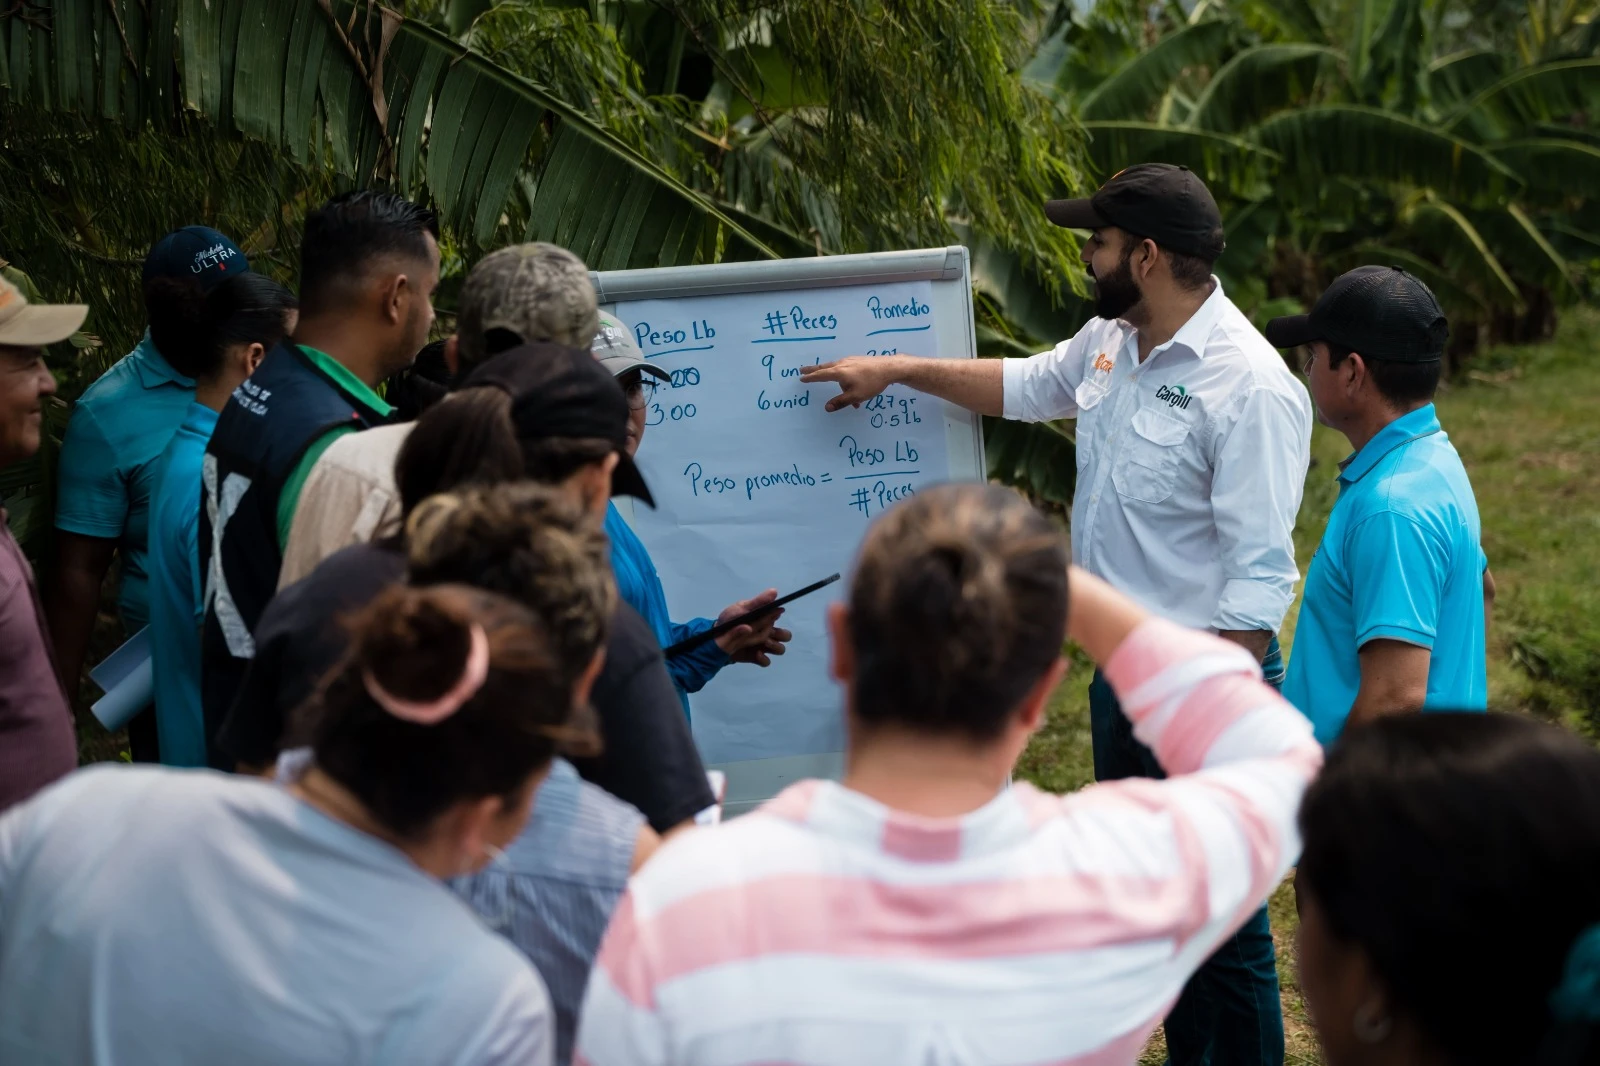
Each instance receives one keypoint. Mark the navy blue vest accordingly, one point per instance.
(264, 430)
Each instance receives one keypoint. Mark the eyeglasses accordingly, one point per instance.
(638, 390)
(1311, 357)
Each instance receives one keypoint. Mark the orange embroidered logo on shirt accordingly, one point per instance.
(1102, 364)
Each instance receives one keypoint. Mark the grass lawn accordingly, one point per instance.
(1527, 424)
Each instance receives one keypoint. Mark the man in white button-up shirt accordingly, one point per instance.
(1193, 440)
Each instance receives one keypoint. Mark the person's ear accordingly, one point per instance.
(252, 358)
(452, 354)
(1356, 374)
(842, 654)
(395, 293)
(1145, 255)
(585, 683)
(1030, 715)
(592, 483)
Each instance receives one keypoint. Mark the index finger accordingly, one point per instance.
(821, 371)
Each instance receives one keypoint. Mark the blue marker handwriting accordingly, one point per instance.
(889, 410)
(769, 362)
(703, 484)
(882, 493)
(778, 323)
(785, 403)
(699, 330)
(684, 377)
(869, 456)
(676, 413)
(912, 308)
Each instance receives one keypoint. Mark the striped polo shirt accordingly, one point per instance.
(828, 929)
(553, 892)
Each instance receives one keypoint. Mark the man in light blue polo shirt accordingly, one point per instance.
(119, 428)
(1396, 597)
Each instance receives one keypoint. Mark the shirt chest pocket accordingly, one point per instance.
(1148, 465)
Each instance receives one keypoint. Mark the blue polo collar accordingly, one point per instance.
(1403, 430)
(154, 370)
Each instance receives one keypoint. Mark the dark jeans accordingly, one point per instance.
(1229, 1013)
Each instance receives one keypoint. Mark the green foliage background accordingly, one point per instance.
(1454, 137)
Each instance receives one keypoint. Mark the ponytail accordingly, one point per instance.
(446, 694)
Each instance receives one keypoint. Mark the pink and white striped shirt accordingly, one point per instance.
(828, 929)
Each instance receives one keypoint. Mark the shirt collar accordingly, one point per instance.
(1407, 427)
(200, 418)
(844, 814)
(1194, 334)
(153, 367)
(346, 380)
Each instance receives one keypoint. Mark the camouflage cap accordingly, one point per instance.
(539, 292)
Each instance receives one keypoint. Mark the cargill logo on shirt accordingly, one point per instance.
(1175, 396)
(1101, 363)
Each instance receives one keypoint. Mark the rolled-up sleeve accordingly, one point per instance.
(1044, 386)
(1259, 475)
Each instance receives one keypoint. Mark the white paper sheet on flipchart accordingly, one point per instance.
(758, 486)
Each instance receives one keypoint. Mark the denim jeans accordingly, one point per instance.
(1229, 1013)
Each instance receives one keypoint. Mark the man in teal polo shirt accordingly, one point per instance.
(1397, 595)
(238, 323)
(106, 475)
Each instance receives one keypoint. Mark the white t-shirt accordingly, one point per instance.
(185, 917)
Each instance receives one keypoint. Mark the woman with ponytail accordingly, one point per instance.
(228, 332)
(1449, 894)
(190, 918)
(561, 878)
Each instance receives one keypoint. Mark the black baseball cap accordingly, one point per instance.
(1380, 312)
(1166, 203)
(558, 391)
(199, 253)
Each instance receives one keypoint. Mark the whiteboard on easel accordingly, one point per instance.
(758, 486)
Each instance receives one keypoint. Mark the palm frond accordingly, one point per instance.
(1038, 457)
(1259, 82)
(1294, 19)
(1457, 300)
(1452, 238)
(1551, 165)
(1526, 252)
(1140, 83)
(1462, 75)
(1222, 159)
(380, 98)
(1370, 145)
(1528, 97)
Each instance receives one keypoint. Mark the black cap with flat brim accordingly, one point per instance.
(1164, 203)
(1378, 312)
(558, 391)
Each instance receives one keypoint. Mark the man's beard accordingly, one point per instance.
(1116, 293)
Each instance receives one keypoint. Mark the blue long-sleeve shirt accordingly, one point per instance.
(641, 589)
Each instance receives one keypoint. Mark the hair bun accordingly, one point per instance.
(415, 642)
